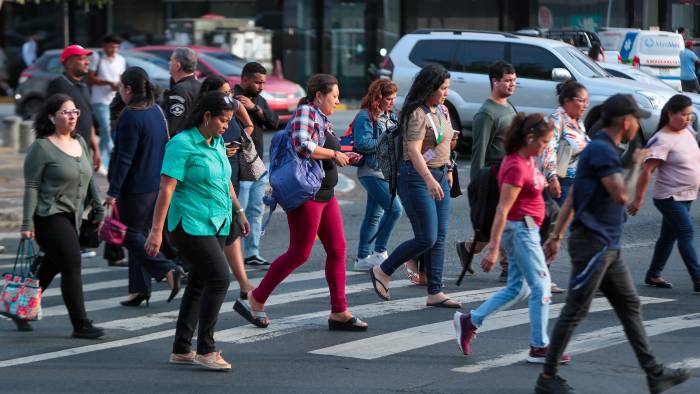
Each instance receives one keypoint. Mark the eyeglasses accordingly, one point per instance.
(581, 100)
(69, 112)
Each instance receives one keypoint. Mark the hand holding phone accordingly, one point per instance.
(354, 157)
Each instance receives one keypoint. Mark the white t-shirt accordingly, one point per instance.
(108, 69)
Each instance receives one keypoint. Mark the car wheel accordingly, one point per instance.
(30, 107)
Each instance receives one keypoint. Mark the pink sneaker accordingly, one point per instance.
(538, 355)
(465, 330)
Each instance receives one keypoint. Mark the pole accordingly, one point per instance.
(607, 24)
(66, 27)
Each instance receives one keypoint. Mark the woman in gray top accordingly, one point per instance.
(58, 177)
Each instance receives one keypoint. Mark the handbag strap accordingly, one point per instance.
(24, 257)
(115, 210)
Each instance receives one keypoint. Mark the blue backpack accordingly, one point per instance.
(293, 180)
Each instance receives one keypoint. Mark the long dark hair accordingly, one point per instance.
(215, 103)
(568, 90)
(141, 88)
(428, 80)
(43, 127)
(212, 83)
(318, 83)
(675, 105)
(595, 51)
(516, 136)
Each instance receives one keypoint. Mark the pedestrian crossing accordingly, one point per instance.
(307, 290)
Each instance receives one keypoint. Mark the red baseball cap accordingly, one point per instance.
(74, 50)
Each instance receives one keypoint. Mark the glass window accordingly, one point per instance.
(433, 51)
(155, 67)
(616, 73)
(53, 64)
(225, 68)
(476, 56)
(533, 62)
(582, 63)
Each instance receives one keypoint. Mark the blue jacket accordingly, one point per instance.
(139, 147)
(366, 135)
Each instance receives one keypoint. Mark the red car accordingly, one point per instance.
(282, 95)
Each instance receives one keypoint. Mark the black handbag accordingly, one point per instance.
(88, 237)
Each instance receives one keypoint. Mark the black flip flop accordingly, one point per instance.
(256, 318)
(352, 324)
(444, 304)
(376, 281)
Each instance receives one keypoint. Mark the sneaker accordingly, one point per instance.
(363, 264)
(465, 331)
(84, 329)
(553, 385)
(182, 358)
(503, 278)
(87, 253)
(255, 260)
(102, 171)
(213, 361)
(666, 379)
(556, 289)
(379, 257)
(538, 355)
(118, 263)
(696, 286)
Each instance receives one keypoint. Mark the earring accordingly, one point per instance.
(52, 119)
(206, 123)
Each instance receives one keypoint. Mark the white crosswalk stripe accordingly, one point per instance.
(417, 337)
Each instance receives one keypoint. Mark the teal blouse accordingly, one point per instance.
(201, 200)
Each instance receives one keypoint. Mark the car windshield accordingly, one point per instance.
(225, 56)
(224, 67)
(582, 63)
(155, 67)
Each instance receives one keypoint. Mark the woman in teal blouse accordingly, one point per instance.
(58, 178)
(197, 195)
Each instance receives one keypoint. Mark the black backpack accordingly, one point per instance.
(483, 196)
(390, 154)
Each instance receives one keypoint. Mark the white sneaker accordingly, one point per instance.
(102, 171)
(379, 258)
(364, 264)
(87, 253)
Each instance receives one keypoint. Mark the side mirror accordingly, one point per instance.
(560, 74)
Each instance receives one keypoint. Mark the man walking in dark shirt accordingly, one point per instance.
(248, 94)
(184, 89)
(596, 203)
(76, 62)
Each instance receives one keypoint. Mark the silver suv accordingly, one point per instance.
(540, 65)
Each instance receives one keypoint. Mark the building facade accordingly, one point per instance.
(347, 38)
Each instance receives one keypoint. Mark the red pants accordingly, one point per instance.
(324, 219)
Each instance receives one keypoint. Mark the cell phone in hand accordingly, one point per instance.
(353, 157)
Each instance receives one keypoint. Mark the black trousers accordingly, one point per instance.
(136, 212)
(209, 278)
(611, 275)
(58, 238)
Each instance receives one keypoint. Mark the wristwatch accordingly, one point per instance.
(256, 108)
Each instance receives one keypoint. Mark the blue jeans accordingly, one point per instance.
(527, 275)
(381, 215)
(429, 219)
(251, 199)
(676, 225)
(102, 114)
(565, 184)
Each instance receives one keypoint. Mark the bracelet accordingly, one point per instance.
(335, 154)
(239, 210)
(556, 236)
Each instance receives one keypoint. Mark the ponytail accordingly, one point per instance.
(516, 136)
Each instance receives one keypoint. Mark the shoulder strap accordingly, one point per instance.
(167, 129)
(430, 118)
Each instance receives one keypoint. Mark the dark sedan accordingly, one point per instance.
(31, 90)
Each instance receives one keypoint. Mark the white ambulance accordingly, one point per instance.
(656, 52)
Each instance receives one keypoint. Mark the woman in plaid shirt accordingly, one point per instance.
(313, 137)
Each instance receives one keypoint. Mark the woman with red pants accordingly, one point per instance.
(312, 137)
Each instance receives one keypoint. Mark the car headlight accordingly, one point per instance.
(649, 99)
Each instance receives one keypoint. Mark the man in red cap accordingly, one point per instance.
(76, 61)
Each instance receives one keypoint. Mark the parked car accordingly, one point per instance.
(282, 95)
(656, 52)
(540, 65)
(34, 80)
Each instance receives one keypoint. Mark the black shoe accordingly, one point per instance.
(661, 283)
(23, 325)
(696, 286)
(666, 379)
(554, 385)
(137, 300)
(175, 286)
(255, 260)
(84, 329)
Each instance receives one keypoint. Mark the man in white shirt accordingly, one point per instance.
(106, 68)
(29, 50)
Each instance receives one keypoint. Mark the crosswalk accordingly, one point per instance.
(307, 294)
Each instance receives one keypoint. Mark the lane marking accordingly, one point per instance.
(599, 339)
(690, 363)
(156, 319)
(431, 334)
(287, 325)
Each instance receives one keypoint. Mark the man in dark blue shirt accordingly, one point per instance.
(597, 206)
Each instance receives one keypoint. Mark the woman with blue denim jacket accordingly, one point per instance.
(425, 179)
(516, 229)
(381, 212)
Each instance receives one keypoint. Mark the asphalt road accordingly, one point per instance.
(408, 349)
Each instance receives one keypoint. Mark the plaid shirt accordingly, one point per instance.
(306, 123)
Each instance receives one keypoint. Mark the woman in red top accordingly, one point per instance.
(516, 229)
